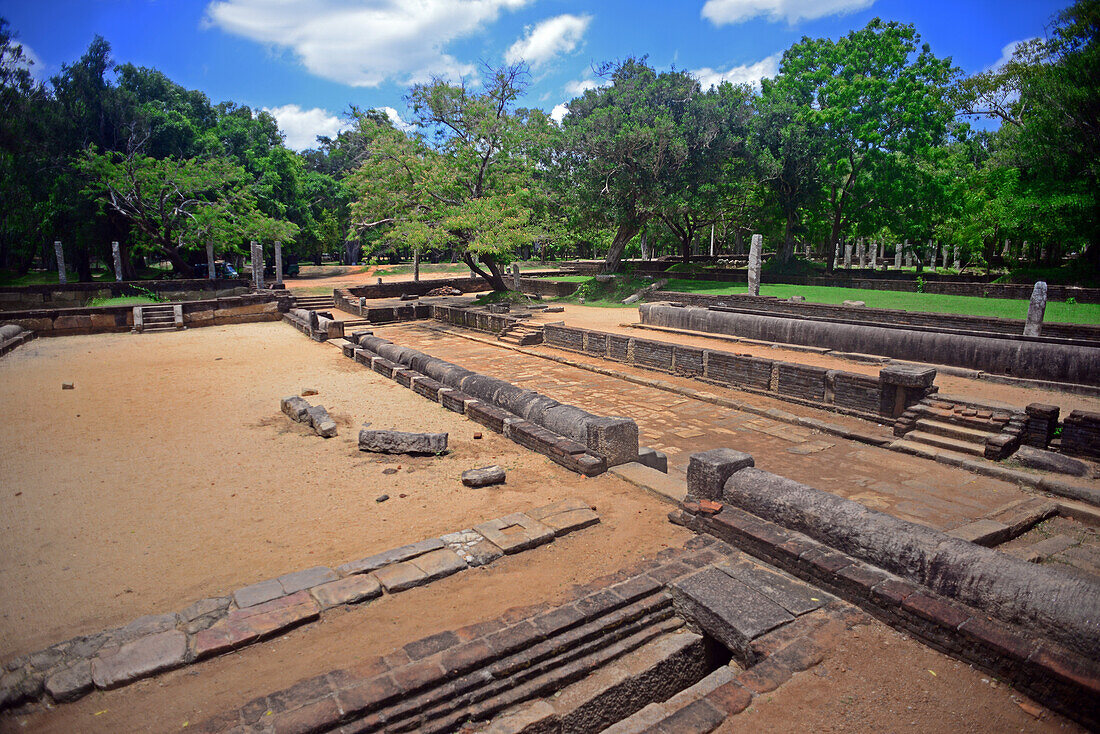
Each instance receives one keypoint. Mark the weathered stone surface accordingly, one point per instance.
(323, 424)
(398, 442)
(439, 563)
(565, 516)
(516, 532)
(708, 471)
(139, 658)
(258, 593)
(983, 532)
(243, 626)
(483, 477)
(908, 375)
(295, 407)
(204, 607)
(70, 683)
(307, 578)
(794, 596)
(1036, 309)
(400, 576)
(394, 555)
(350, 590)
(653, 459)
(756, 245)
(1046, 600)
(727, 609)
(1034, 458)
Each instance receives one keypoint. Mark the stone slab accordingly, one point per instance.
(669, 487)
(349, 590)
(565, 516)
(983, 532)
(258, 593)
(1044, 549)
(70, 683)
(400, 576)
(483, 477)
(727, 609)
(794, 596)
(394, 555)
(243, 626)
(306, 579)
(139, 658)
(439, 563)
(516, 532)
(399, 442)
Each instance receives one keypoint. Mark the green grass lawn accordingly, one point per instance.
(49, 277)
(1073, 313)
(122, 301)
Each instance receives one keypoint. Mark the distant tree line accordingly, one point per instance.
(864, 136)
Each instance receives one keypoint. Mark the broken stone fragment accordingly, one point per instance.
(67, 386)
(295, 407)
(308, 391)
(483, 477)
(323, 424)
(398, 442)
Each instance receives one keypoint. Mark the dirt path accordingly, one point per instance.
(168, 474)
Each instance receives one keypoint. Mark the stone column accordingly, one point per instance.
(118, 261)
(932, 256)
(60, 253)
(943, 255)
(363, 304)
(755, 247)
(257, 264)
(861, 253)
(416, 266)
(806, 251)
(712, 240)
(515, 277)
(1004, 252)
(897, 256)
(210, 272)
(908, 255)
(847, 254)
(1036, 310)
(836, 255)
(278, 262)
(955, 257)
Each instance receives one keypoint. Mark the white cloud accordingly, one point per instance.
(723, 12)
(559, 112)
(551, 37)
(363, 44)
(744, 74)
(577, 87)
(31, 62)
(302, 127)
(1007, 53)
(396, 119)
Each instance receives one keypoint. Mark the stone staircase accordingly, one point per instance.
(522, 333)
(165, 317)
(315, 303)
(959, 427)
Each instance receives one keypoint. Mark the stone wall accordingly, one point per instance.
(214, 312)
(875, 398)
(857, 314)
(1081, 434)
(396, 289)
(1016, 356)
(493, 323)
(29, 297)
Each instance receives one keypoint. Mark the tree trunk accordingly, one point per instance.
(493, 277)
(613, 260)
(786, 254)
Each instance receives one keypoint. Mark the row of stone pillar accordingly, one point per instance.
(877, 253)
(257, 257)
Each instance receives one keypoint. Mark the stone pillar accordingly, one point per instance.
(806, 251)
(847, 254)
(1004, 252)
(897, 256)
(416, 266)
(278, 262)
(1036, 310)
(515, 277)
(908, 255)
(257, 264)
(363, 304)
(955, 257)
(902, 386)
(645, 249)
(118, 261)
(943, 255)
(836, 255)
(755, 246)
(210, 272)
(712, 240)
(861, 253)
(932, 255)
(60, 253)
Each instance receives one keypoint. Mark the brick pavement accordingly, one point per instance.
(908, 487)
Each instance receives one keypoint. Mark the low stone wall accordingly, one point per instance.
(861, 315)
(875, 398)
(12, 336)
(216, 312)
(20, 298)
(398, 288)
(493, 323)
(1081, 434)
(1019, 356)
(562, 432)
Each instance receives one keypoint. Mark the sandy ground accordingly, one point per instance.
(617, 319)
(880, 680)
(169, 475)
(338, 279)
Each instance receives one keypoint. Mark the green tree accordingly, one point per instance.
(461, 179)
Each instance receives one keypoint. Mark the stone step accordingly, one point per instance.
(952, 430)
(1038, 552)
(653, 672)
(650, 717)
(943, 442)
(974, 422)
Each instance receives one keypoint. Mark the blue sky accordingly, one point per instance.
(307, 60)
